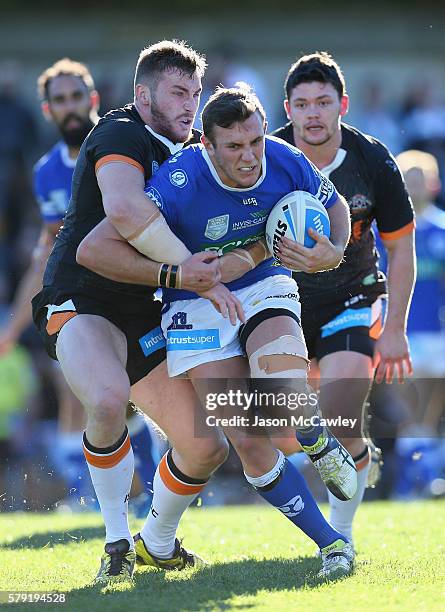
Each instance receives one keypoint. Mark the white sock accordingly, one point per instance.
(342, 512)
(172, 495)
(111, 472)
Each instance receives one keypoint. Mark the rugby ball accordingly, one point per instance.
(292, 216)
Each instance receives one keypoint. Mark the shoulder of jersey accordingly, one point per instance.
(47, 161)
(185, 155)
(125, 115)
(365, 141)
(278, 145)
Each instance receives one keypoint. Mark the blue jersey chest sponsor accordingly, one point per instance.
(193, 340)
(153, 341)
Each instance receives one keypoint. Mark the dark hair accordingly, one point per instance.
(228, 106)
(167, 55)
(64, 67)
(319, 67)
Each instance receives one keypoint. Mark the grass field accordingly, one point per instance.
(258, 562)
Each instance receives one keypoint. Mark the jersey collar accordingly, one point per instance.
(219, 181)
(335, 163)
(65, 156)
(171, 146)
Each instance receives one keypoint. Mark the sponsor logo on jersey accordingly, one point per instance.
(178, 178)
(217, 227)
(175, 157)
(154, 166)
(154, 195)
(250, 202)
(56, 205)
(152, 341)
(227, 246)
(352, 317)
(197, 340)
(325, 190)
(359, 203)
(246, 223)
(179, 321)
(293, 507)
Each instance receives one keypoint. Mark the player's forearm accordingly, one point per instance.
(401, 278)
(126, 265)
(238, 262)
(29, 286)
(340, 224)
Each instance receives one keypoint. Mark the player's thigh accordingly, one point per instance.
(175, 408)
(92, 353)
(71, 415)
(226, 382)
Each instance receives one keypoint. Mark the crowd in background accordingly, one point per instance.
(29, 475)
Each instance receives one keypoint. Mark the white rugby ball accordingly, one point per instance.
(292, 216)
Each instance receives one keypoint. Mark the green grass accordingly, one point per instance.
(259, 561)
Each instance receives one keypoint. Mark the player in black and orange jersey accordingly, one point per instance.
(106, 334)
(341, 309)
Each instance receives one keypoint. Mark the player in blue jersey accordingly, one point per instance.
(70, 101)
(217, 196)
(426, 331)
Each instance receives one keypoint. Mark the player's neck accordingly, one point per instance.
(321, 155)
(73, 152)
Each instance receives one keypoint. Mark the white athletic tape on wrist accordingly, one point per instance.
(244, 255)
(284, 345)
(265, 479)
(158, 242)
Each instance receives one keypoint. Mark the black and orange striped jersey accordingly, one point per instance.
(120, 135)
(366, 174)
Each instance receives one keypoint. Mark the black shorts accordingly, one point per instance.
(338, 327)
(137, 316)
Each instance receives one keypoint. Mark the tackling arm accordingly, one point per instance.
(135, 216)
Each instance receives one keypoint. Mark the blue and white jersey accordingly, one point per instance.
(53, 174)
(208, 215)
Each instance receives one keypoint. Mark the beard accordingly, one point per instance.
(74, 137)
(164, 125)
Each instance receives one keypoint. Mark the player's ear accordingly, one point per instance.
(45, 110)
(287, 108)
(142, 94)
(206, 142)
(344, 105)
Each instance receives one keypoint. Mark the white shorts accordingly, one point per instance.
(197, 324)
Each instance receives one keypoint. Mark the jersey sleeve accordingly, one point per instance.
(119, 139)
(49, 202)
(393, 207)
(309, 178)
(166, 188)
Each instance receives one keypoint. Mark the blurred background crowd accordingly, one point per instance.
(395, 74)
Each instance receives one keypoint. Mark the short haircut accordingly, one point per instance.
(318, 66)
(228, 106)
(64, 67)
(167, 55)
(427, 163)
